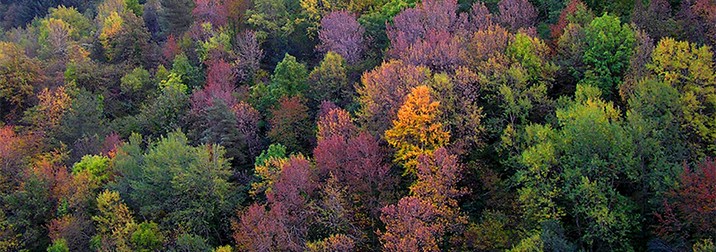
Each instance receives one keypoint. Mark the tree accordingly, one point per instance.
(125, 38)
(428, 34)
(572, 173)
(417, 130)
(136, 86)
(81, 25)
(83, 121)
(272, 19)
(357, 161)
(190, 74)
(115, 223)
(289, 78)
(147, 237)
(280, 27)
(48, 113)
(656, 18)
(337, 242)
(164, 114)
(609, 46)
(517, 14)
(411, 225)
(570, 14)
(688, 209)
(383, 90)
(96, 166)
(284, 225)
(31, 206)
(212, 11)
(59, 245)
(174, 14)
(342, 34)
(689, 69)
(421, 221)
(14, 155)
(193, 178)
(249, 55)
(654, 123)
(19, 75)
(291, 126)
(334, 121)
(330, 81)
(638, 71)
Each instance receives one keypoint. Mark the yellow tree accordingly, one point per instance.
(417, 130)
(114, 223)
(690, 69)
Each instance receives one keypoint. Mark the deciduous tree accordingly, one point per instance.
(342, 34)
(417, 130)
(383, 90)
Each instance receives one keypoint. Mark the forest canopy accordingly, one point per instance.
(357, 125)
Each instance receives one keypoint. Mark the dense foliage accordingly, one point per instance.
(357, 125)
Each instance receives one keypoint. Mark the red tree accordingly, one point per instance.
(480, 17)
(411, 225)
(424, 218)
(247, 122)
(284, 226)
(334, 121)
(572, 7)
(342, 34)
(15, 151)
(290, 125)
(693, 203)
(358, 162)
(170, 49)
(217, 116)
(219, 85)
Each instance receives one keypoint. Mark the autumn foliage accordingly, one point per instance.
(357, 125)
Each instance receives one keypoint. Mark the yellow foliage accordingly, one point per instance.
(417, 130)
(52, 105)
(690, 69)
(111, 27)
(268, 172)
(115, 221)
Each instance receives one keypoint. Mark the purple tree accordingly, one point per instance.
(342, 34)
(432, 33)
(212, 11)
(516, 14)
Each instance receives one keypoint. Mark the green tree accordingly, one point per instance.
(609, 46)
(166, 111)
(19, 75)
(290, 78)
(59, 245)
(572, 173)
(114, 223)
(97, 166)
(147, 237)
(175, 15)
(329, 81)
(188, 72)
(177, 185)
(654, 123)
